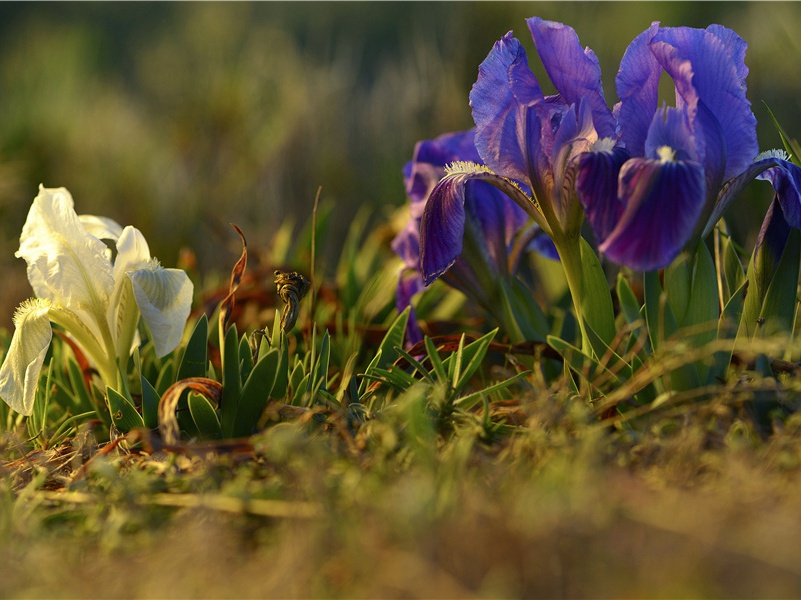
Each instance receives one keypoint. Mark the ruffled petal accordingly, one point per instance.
(708, 67)
(19, 375)
(499, 99)
(596, 187)
(576, 73)
(164, 297)
(637, 84)
(66, 265)
(662, 200)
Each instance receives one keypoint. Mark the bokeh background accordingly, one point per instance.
(180, 118)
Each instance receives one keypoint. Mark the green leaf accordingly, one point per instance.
(150, 405)
(469, 359)
(436, 362)
(387, 353)
(790, 144)
(523, 317)
(596, 300)
(779, 307)
(658, 314)
(205, 417)
(195, 357)
(628, 301)
(469, 401)
(230, 380)
(123, 414)
(256, 394)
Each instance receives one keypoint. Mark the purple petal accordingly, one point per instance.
(671, 128)
(770, 245)
(735, 186)
(499, 98)
(663, 200)
(427, 166)
(596, 186)
(637, 84)
(442, 229)
(708, 67)
(786, 181)
(574, 72)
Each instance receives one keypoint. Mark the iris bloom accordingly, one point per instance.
(492, 237)
(531, 141)
(658, 185)
(95, 279)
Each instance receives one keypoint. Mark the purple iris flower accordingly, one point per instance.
(494, 232)
(648, 179)
(659, 185)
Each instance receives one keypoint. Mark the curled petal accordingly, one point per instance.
(22, 366)
(504, 89)
(66, 265)
(596, 186)
(575, 72)
(442, 229)
(786, 180)
(164, 297)
(662, 203)
(735, 186)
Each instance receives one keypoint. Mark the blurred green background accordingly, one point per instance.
(182, 117)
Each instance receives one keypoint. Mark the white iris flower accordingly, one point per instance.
(95, 279)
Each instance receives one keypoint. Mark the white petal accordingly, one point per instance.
(164, 297)
(22, 366)
(102, 228)
(65, 264)
(132, 252)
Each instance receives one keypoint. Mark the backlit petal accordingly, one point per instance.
(637, 84)
(662, 202)
(574, 71)
(504, 89)
(66, 265)
(707, 66)
(22, 366)
(164, 297)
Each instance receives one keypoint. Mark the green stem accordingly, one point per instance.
(569, 250)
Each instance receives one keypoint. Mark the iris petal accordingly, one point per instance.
(499, 98)
(442, 229)
(575, 73)
(734, 186)
(637, 84)
(66, 265)
(707, 66)
(786, 181)
(164, 297)
(22, 366)
(596, 186)
(662, 203)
